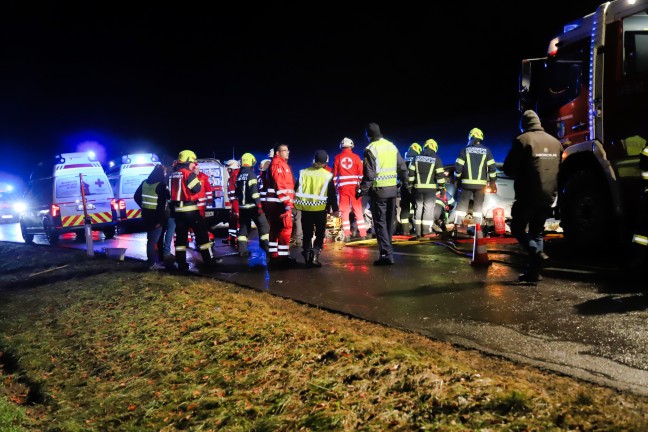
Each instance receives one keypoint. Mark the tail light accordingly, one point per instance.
(489, 190)
(122, 205)
(113, 204)
(56, 210)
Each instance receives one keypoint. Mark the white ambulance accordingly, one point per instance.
(61, 198)
(125, 177)
(218, 211)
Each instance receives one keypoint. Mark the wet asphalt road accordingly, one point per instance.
(581, 320)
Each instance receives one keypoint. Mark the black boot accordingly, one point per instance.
(315, 253)
(308, 258)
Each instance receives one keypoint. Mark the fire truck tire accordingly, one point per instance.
(29, 238)
(51, 233)
(586, 211)
(109, 232)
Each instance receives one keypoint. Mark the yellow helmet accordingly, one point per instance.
(476, 133)
(248, 159)
(416, 147)
(187, 156)
(431, 144)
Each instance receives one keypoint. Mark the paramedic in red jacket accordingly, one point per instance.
(347, 173)
(233, 168)
(280, 196)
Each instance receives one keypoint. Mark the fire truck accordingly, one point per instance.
(591, 92)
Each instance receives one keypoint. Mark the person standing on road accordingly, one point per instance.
(347, 173)
(205, 197)
(249, 199)
(406, 216)
(280, 195)
(533, 162)
(169, 227)
(474, 169)
(315, 198)
(383, 166)
(233, 167)
(185, 187)
(426, 176)
(152, 196)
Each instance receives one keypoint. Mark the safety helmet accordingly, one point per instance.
(186, 156)
(248, 159)
(416, 147)
(271, 153)
(346, 142)
(432, 144)
(475, 133)
(265, 163)
(233, 164)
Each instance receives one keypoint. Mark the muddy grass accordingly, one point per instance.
(93, 344)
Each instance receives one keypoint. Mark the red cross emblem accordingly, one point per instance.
(99, 183)
(346, 162)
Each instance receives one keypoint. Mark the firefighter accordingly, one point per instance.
(640, 237)
(205, 197)
(280, 195)
(444, 203)
(315, 197)
(250, 209)
(533, 162)
(474, 170)
(152, 196)
(233, 167)
(261, 178)
(383, 166)
(185, 187)
(347, 173)
(426, 176)
(406, 216)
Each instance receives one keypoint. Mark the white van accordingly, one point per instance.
(125, 177)
(218, 211)
(59, 198)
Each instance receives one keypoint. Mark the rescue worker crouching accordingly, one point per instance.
(315, 197)
(185, 188)
(250, 209)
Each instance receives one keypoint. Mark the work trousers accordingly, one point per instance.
(152, 238)
(232, 230)
(184, 222)
(406, 217)
(383, 211)
(246, 216)
(477, 196)
(313, 222)
(280, 230)
(348, 203)
(527, 226)
(424, 202)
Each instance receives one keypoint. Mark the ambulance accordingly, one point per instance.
(125, 177)
(217, 211)
(64, 197)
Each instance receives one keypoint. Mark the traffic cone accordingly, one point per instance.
(480, 252)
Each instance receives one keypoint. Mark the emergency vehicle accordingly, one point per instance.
(591, 92)
(61, 198)
(217, 211)
(125, 177)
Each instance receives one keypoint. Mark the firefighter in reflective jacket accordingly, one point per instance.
(640, 238)
(233, 167)
(205, 197)
(347, 173)
(406, 216)
(249, 199)
(475, 169)
(185, 187)
(426, 175)
(280, 195)
(315, 197)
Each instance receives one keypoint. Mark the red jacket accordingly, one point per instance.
(347, 169)
(280, 183)
(206, 194)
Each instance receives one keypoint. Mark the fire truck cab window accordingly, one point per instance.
(635, 41)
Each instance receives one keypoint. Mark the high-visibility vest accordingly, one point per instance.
(386, 155)
(313, 186)
(149, 196)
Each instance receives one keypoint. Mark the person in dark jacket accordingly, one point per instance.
(475, 169)
(533, 162)
(250, 209)
(383, 166)
(426, 176)
(152, 196)
(406, 216)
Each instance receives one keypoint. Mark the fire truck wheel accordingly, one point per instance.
(29, 238)
(109, 232)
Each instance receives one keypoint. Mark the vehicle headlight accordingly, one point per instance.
(20, 207)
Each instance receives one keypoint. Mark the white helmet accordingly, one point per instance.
(346, 142)
(233, 164)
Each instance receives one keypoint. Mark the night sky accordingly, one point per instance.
(223, 82)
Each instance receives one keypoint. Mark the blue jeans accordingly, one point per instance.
(168, 236)
(152, 238)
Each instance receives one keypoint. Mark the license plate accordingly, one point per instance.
(209, 214)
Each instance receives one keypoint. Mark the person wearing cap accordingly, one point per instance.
(347, 173)
(233, 167)
(383, 166)
(406, 215)
(426, 175)
(280, 195)
(475, 170)
(315, 197)
(152, 196)
(250, 209)
(185, 188)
